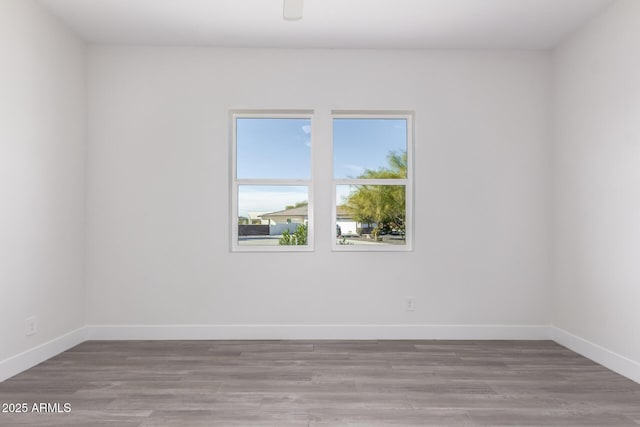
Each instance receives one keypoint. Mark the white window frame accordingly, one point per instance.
(407, 182)
(236, 183)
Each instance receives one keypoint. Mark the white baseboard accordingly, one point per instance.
(336, 332)
(607, 358)
(27, 359)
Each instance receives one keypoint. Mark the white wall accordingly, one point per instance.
(157, 248)
(42, 159)
(158, 188)
(597, 182)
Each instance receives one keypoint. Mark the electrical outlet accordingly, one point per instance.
(409, 304)
(31, 326)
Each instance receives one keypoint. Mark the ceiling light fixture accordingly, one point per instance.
(292, 10)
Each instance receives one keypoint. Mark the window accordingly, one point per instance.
(372, 181)
(272, 201)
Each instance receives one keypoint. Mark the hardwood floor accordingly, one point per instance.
(318, 383)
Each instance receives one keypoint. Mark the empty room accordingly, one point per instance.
(319, 212)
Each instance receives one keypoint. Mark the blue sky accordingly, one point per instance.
(273, 148)
(360, 144)
(276, 148)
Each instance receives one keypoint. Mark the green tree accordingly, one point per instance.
(384, 205)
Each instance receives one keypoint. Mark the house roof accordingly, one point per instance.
(299, 211)
(303, 211)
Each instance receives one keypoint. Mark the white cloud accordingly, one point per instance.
(307, 131)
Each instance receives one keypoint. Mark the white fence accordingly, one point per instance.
(277, 229)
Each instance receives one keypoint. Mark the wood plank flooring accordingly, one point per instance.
(322, 383)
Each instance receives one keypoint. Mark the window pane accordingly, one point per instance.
(270, 215)
(273, 148)
(370, 214)
(369, 148)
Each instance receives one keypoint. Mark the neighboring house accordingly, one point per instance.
(291, 218)
(347, 225)
(255, 218)
(297, 215)
(288, 219)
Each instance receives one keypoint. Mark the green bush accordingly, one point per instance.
(299, 237)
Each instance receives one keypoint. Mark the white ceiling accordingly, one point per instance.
(521, 24)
